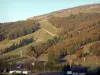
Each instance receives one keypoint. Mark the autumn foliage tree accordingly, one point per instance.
(95, 49)
(43, 47)
(79, 53)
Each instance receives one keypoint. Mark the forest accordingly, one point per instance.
(17, 29)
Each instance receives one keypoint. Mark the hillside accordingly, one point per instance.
(53, 37)
(92, 8)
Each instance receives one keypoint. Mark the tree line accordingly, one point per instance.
(14, 46)
(23, 32)
(42, 47)
(12, 30)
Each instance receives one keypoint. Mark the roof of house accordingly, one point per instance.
(79, 69)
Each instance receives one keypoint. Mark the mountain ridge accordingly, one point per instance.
(64, 10)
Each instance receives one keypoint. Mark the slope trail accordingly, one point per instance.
(48, 27)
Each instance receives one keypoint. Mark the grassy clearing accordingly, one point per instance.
(48, 26)
(86, 48)
(40, 35)
(42, 38)
(43, 57)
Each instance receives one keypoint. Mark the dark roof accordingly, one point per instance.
(79, 69)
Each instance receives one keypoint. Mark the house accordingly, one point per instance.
(79, 70)
(20, 72)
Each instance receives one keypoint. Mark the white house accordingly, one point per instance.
(19, 72)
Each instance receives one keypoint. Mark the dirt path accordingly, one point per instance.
(48, 32)
(49, 28)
